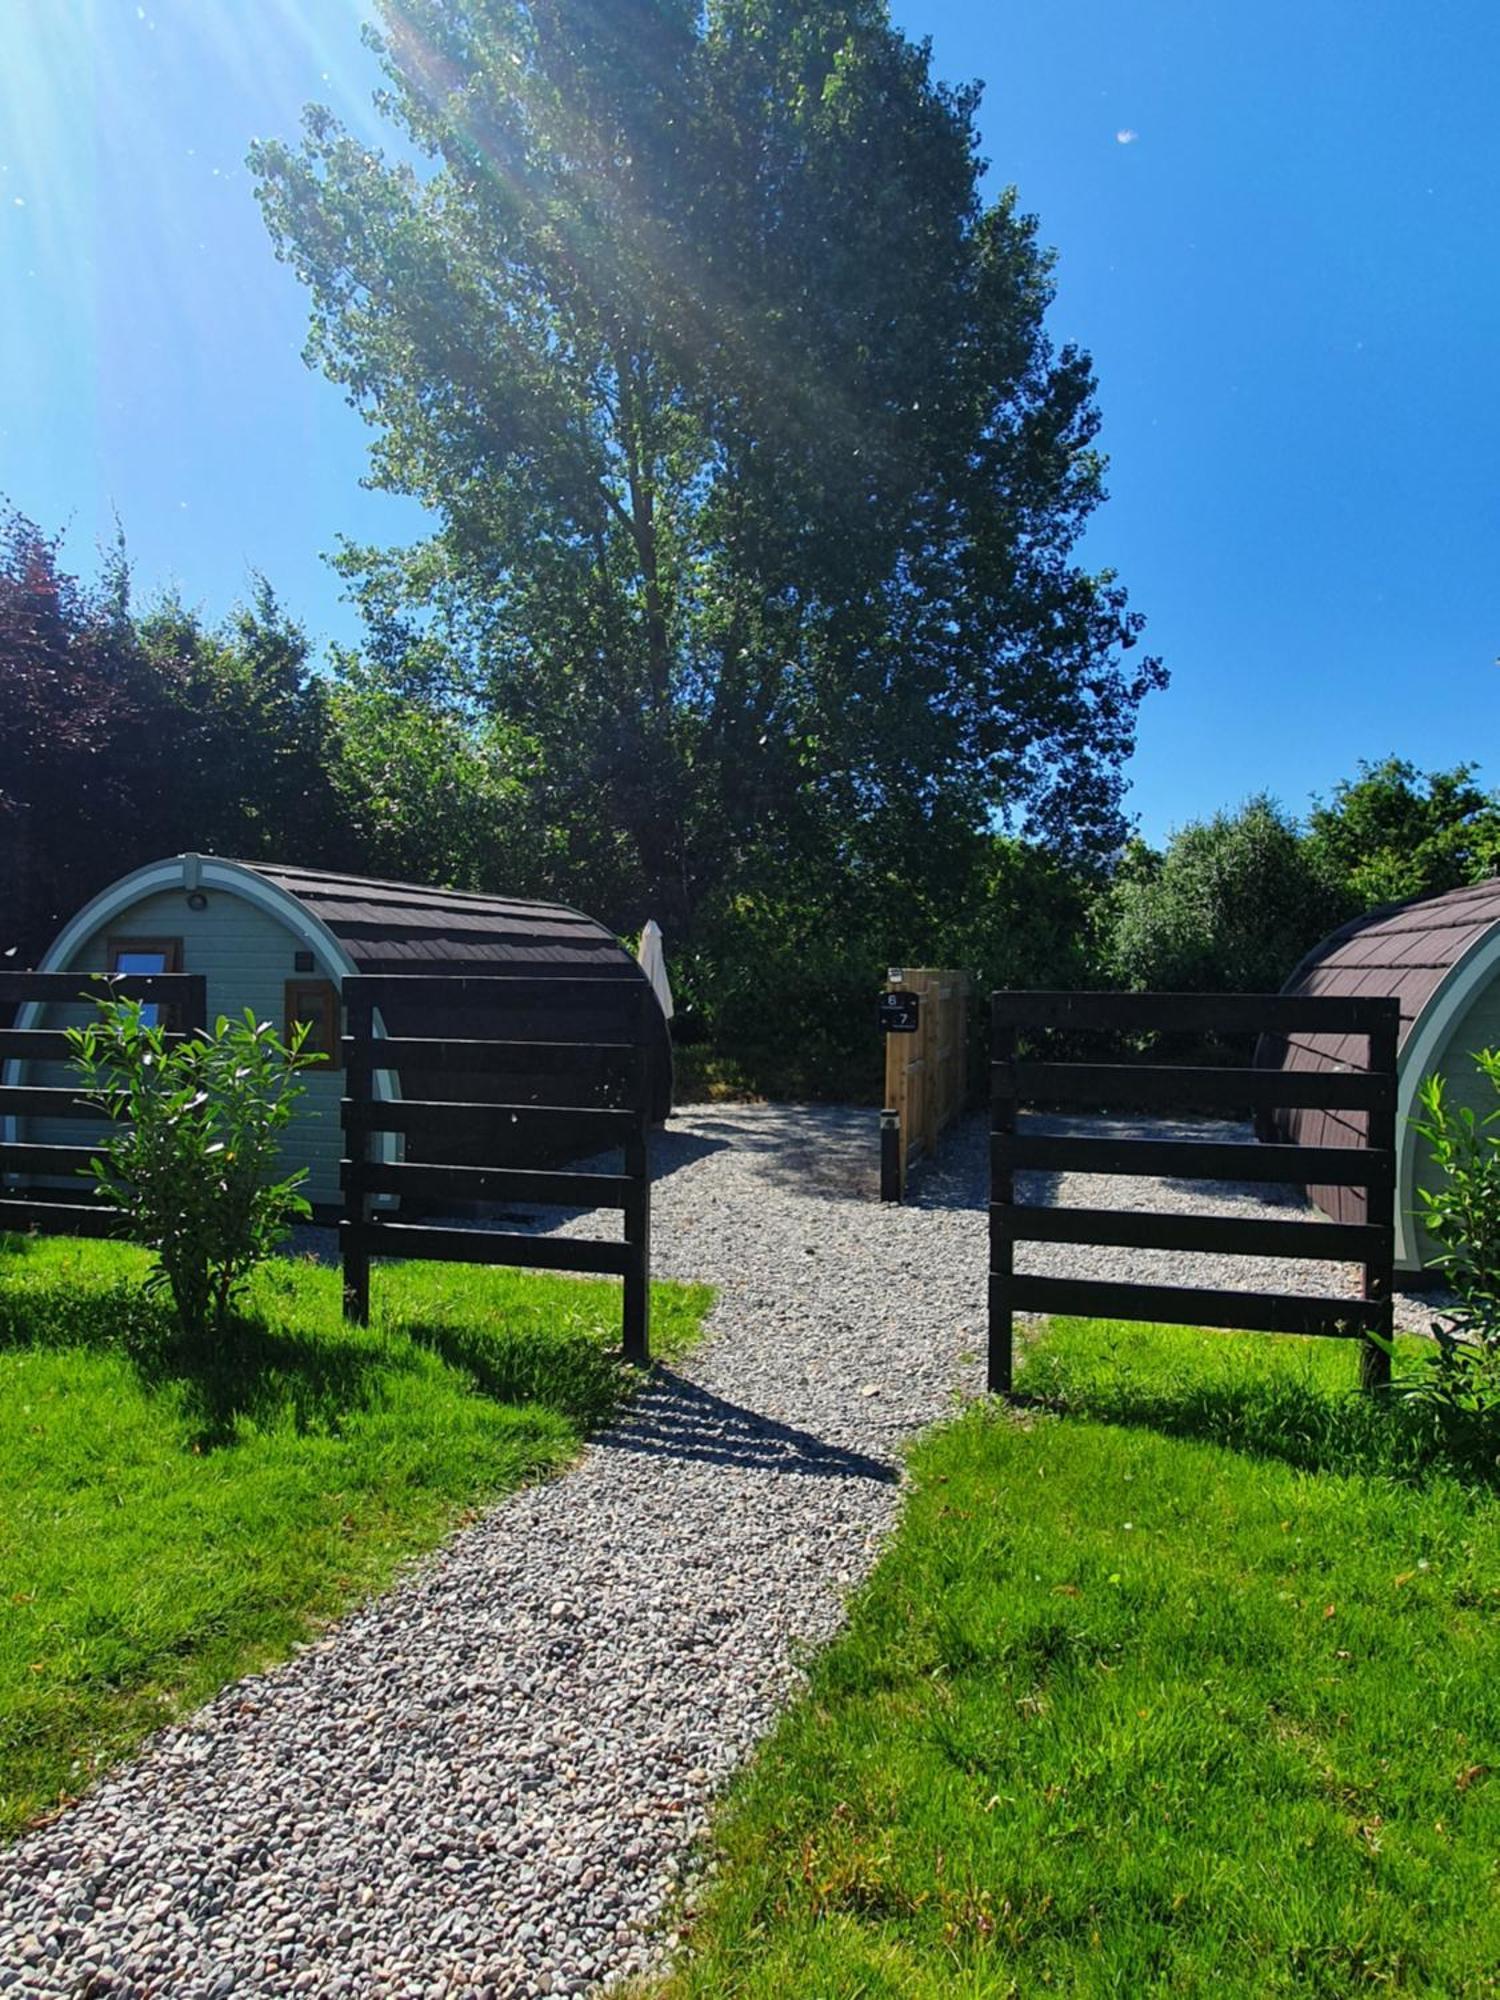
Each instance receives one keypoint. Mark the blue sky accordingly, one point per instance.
(1276, 229)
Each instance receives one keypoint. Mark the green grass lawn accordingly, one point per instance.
(167, 1522)
(1186, 1684)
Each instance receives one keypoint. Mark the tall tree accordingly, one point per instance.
(1231, 905)
(1395, 832)
(75, 729)
(758, 479)
(125, 736)
(247, 721)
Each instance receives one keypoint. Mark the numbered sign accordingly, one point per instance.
(898, 1013)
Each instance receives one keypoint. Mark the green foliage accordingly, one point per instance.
(1141, 1700)
(1232, 905)
(758, 477)
(429, 797)
(785, 978)
(170, 1520)
(127, 735)
(244, 722)
(1462, 1215)
(193, 1170)
(1394, 832)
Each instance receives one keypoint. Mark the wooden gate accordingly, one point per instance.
(1084, 1087)
(602, 1103)
(926, 1072)
(68, 1206)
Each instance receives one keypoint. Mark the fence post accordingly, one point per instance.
(1001, 1361)
(636, 1330)
(195, 1004)
(890, 1153)
(359, 1081)
(1380, 1136)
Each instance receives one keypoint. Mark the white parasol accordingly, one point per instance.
(654, 964)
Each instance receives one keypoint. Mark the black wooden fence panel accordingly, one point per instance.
(602, 1100)
(1089, 1086)
(22, 1161)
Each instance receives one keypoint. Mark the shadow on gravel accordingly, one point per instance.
(824, 1152)
(678, 1419)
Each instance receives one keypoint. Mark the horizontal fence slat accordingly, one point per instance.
(1226, 1235)
(45, 1044)
(19, 987)
(1157, 1087)
(1194, 1160)
(1198, 1013)
(450, 1054)
(57, 1218)
(522, 1184)
(25, 1158)
(486, 1246)
(29, 1100)
(427, 1116)
(381, 989)
(1183, 1305)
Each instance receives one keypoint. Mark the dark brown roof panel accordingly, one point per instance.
(400, 927)
(1407, 950)
(384, 924)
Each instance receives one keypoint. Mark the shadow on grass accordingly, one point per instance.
(60, 1315)
(272, 1376)
(265, 1376)
(1355, 1433)
(568, 1372)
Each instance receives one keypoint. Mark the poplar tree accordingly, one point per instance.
(757, 478)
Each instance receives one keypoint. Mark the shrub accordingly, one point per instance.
(1462, 1214)
(193, 1168)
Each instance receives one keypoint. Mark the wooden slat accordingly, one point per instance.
(21, 1100)
(1000, 1358)
(1197, 1013)
(58, 1218)
(440, 992)
(19, 987)
(582, 1058)
(427, 1116)
(1377, 1275)
(30, 1159)
(1195, 1160)
(1157, 1087)
(1219, 1235)
(521, 1184)
(1183, 1305)
(44, 1044)
(635, 1315)
(486, 1246)
(359, 1088)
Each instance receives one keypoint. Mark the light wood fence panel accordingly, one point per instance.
(926, 1073)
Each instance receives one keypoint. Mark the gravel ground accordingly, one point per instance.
(489, 1780)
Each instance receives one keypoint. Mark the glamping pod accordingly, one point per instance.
(1441, 958)
(281, 940)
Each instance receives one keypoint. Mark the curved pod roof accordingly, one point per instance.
(356, 923)
(1435, 955)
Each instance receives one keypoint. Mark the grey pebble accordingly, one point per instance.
(492, 1779)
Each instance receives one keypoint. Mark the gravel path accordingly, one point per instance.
(487, 1781)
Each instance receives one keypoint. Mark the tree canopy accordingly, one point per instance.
(125, 736)
(757, 476)
(1232, 904)
(1394, 832)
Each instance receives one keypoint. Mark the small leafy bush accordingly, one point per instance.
(1462, 1215)
(193, 1169)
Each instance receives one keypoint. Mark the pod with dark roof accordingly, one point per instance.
(281, 940)
(1440, 957)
